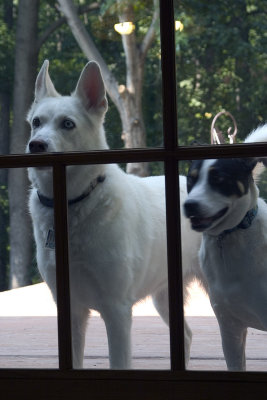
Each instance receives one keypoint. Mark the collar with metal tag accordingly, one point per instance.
(48, 202)
(50, 239)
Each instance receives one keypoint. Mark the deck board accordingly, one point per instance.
(31, 342)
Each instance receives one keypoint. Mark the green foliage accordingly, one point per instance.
(4, 199)
(6, 56)
(7, 42)
(221, 64)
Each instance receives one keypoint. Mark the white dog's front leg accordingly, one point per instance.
(79, 317)
(118, 321)
(187, 342)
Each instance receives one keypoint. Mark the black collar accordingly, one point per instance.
(244, 224)
(47, 202)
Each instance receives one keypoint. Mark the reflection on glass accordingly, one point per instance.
(223, 207)
(28, 328)
(210, 76)
(117, 241)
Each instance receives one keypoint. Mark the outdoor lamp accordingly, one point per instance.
(124, 28)
(179, 26)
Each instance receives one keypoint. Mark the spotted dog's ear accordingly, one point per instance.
(195, 143)
(254, 160)
(263, 160)
(255, 165)
(249, 163)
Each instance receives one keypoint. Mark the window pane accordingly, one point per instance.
(117, 243)
(28, 322)
(124, 40)
(129, 54)
(221, 62)
(225, 212)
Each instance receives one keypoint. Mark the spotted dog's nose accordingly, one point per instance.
(38, 146)
(191, 208)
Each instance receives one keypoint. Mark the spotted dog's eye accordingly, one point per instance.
(192, 177)
(215, 176)
(36, 122)
(189, 183)
(67, 124)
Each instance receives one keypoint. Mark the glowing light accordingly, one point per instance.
(208, 115)
(124, 28)
(179, 26)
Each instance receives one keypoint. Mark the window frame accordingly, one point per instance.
(132, 384)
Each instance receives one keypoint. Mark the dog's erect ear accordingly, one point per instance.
(250, 163)
(90, 88)
(263, 160)
(43, 85)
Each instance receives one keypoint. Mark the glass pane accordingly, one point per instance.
(221, 62)
(124, 40)
(28, 315)
(117, 242)
(226, 214)
(129, 54)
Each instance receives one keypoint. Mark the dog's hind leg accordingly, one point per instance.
(161, 303)
(118, 321)
(79, 317)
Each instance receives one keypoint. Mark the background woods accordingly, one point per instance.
(221, 64)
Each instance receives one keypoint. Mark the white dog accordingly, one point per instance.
(223, 203)
(117, 235)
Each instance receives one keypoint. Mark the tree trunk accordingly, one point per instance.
(127, 98)
(26, 58)
(4, 149)
(134, 134)
(5, 103)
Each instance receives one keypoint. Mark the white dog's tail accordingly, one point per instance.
(258, 135)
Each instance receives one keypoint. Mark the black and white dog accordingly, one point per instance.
(223, 203)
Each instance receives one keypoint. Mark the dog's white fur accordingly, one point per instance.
(117, 235)
(235, 264)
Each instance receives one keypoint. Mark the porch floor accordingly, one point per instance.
(28, 335)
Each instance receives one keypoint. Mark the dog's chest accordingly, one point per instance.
(236, 277)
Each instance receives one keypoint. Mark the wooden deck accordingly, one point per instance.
(31, 342)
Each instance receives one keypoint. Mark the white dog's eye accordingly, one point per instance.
(36, 122)
(67, 124)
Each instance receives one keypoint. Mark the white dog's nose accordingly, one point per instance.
(38, 146)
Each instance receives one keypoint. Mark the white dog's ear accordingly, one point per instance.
(90, 88)
(43, 85)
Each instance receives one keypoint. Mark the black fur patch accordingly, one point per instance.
(231, 176)
(193, 174)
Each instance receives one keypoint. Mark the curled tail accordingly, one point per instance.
(258, 135)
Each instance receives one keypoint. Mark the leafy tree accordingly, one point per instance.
(221, 64)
